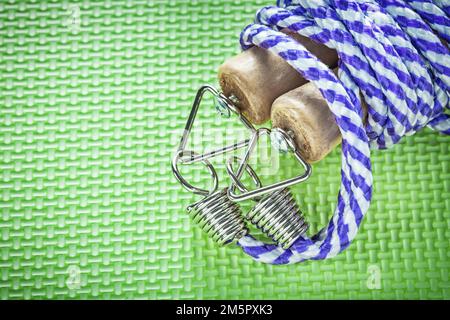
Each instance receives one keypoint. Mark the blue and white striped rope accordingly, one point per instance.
(390, 52)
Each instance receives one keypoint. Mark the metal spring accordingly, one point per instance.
(219, 217)
(278, 216)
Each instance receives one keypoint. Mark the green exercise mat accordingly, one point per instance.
(93, 99)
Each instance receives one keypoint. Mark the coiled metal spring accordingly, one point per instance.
(279, 217)
(276, 214)
(219, 217)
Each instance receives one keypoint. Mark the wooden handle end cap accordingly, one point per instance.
(305, 113)
(256, 77)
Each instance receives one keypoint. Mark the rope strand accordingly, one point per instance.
(389, 52)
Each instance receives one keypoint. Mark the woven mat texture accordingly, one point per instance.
(93, 99)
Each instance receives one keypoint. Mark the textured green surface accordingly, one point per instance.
(90, 112)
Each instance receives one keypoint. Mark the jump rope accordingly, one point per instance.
(392, 53)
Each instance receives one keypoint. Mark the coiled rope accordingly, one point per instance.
(390, 52)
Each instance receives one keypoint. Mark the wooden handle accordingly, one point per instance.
(256, 77)
(268, 87)
(305, 113)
